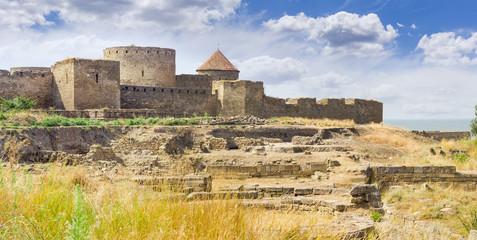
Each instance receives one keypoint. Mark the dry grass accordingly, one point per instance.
(429, 204)
(393, 137)
(50, 206)
(313, 122)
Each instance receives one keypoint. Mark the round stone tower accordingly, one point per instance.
(144, 66)
(218, 67)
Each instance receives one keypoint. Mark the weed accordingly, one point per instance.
(460, 157)
(17, 103)
(376, 216)
(78, 225)
(470, 224)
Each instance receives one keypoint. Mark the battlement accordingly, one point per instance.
(193, 81)
(14, 70)
(144, 66)
(169, 101)
(139, 52)
(161, 90)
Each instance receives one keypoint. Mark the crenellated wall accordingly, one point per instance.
(35, 85)
(193, 81)
(171, 101)
(247, 98)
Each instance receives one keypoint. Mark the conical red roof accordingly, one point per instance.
(217, 62)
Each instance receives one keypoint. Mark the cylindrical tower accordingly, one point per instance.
(144, 66)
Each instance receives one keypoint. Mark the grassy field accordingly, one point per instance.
(63, 203)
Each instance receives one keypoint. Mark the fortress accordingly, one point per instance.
(130, 81)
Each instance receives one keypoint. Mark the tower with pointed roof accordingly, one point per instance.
(218, 67)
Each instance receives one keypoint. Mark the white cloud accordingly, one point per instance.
(344, 33)
(448, 49)
(413, 26)
(158, 14)
(268, 68)
(400, 25)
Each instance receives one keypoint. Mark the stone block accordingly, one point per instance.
(363, 189)
(322, 191)
(300, 191)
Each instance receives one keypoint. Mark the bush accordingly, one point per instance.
(376, 216)
(55, 121)
(460, 157)
(473, 124)
(17, 103)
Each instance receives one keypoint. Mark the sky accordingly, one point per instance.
(417, 57)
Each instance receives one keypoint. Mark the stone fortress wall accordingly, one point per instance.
(169, 101)
(86, 84)
(144, 66)
(32, 82)
(144, 78)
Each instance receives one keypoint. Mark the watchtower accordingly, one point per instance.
(144, 66)
(218, 67)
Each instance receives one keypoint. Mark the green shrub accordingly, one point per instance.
(461, 157)
(55, 121)
(376, 216)
(17, 103)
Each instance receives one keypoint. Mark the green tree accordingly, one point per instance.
(473, 124)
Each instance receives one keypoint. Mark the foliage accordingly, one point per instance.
(461, 157)
(473, 124)
(376, 216)
(79, 223)
(17, 103)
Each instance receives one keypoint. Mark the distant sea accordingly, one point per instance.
(431, 124)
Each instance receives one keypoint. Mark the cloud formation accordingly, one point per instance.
(446, 48)
(160, 14)
(343, 33)
(266, 67)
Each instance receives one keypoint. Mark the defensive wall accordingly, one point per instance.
(193, 81)
(144, 66)
(36, 84)
(247, 98)
(86, 84)
(170, 101)
(144, 78)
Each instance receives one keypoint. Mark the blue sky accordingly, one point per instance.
(417, 57)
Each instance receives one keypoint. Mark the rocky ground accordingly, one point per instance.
(278, 167)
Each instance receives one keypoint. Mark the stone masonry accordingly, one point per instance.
(144, 78)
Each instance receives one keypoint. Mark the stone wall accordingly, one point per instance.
(35, 85)
(239, 97)
(439, 135)
(170, 101)
(86, 84)
(359, 110)
(386, 176)
(218, 75)
(267, 170)
(30, 69)
(247, 98)
(144, 66)
(193, 81)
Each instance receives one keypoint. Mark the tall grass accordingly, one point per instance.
(53, 206)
